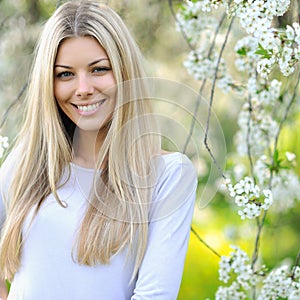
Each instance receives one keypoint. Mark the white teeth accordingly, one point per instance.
(90, 107)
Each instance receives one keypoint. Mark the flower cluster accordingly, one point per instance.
(281, 283)
(246, 50)
(274, 183)
(3, 145)
(196, 25)
(231, 292)
(257, 128)
(237, 263)
(235, 266)
(201, 66)
(272, 46)
(285, 182)
(199, 28)
(249, 198)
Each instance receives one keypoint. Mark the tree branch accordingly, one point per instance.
(261, 223)
(204, 243)
(297, 263)
(212, 99)
(5, 116)
(170, 2)
(248, 137)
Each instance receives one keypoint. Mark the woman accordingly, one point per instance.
(93, 208)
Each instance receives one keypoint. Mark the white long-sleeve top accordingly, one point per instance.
(48, 271)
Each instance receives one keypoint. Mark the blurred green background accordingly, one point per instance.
(164, 49)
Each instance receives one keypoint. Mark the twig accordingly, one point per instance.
(4, 118)
(180, 25)
(261, 224)
(199, 98)
(204, 243)
(196, 109)
(198, 101)
(212, 99)
(293, 98)
(248, 137)
(297, 262)
(257, 239)
(3, 22)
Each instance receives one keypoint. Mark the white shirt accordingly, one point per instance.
(48, 271)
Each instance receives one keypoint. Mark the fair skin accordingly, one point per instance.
(84, 87)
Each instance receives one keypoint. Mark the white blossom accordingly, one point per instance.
(249, 198)
(290, 156)
(296, 27)
(297, 53)
(263, 128)
(203, 67)
(3, 145)
(280, 284)
(194, 23)
(285, 184)
(231, 292)
(286, 189)
(264, 66)
(285, 61)
(277, 7)
(290, 33)
(246, 48)
(236, 265)
(261, 51)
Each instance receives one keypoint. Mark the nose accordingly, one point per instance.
(84, 86)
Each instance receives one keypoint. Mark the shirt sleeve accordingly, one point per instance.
(160, 273)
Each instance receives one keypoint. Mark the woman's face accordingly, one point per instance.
(84, 84)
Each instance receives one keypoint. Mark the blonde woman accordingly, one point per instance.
(91, 207)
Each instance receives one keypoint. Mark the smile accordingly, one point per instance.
(90, 107)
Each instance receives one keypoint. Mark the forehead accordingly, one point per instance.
(79, 50)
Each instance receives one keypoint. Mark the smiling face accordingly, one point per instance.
(84, 84)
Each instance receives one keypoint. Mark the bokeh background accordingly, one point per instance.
(164, 48)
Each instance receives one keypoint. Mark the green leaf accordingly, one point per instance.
(242, 51)
(275, 156)
(262, 51)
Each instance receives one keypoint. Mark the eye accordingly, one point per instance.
(101, 70)
(64, 75)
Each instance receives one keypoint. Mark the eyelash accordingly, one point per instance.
(101, 69)
(66, 74)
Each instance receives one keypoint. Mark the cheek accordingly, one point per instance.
(57, 91)
(112, 92)
(61, 92)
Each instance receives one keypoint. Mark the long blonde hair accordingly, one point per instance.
(117, 213)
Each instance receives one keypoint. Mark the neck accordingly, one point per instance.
(86, 146)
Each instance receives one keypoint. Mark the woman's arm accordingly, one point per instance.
(160, 273)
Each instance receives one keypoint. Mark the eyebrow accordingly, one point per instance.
(89, 65)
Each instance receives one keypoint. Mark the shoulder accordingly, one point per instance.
(175, 165)
(176, 184)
